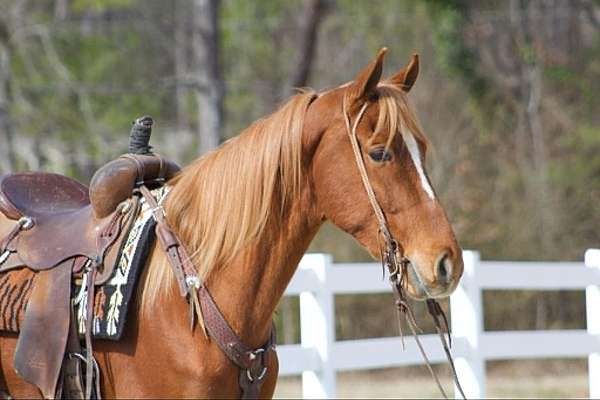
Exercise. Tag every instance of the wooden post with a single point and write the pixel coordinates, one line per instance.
(592, 300)
(467, 323)
(317, 329)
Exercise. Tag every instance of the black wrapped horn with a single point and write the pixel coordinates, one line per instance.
(139, 137)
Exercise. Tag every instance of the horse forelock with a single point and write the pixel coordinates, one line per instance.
(396, 114)
(222, 201)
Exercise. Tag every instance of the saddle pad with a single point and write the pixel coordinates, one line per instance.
(112, 299)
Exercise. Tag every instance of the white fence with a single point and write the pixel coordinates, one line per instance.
(319, 355)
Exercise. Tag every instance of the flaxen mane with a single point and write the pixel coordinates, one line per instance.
(221, 202)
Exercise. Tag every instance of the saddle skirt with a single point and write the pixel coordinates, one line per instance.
(112, 297)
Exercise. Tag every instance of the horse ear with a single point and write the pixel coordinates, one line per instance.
(366, 81)
(406, 77)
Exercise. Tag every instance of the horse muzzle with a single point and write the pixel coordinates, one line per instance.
(437, 282)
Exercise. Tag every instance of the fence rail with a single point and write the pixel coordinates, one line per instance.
(319, 356)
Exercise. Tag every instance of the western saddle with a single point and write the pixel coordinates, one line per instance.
(62, 230)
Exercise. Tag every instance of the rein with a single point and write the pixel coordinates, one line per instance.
(397, 264)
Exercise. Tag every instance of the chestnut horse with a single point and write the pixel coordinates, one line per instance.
(247, 212)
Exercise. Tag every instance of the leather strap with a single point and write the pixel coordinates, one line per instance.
(23, 223)
(9, 238)
(89, 315)
(241, 354)
(179, 260)
(72, 376)
(394, 260)
(252, 362)
(48, 306)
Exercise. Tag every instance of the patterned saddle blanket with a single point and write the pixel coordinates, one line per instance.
(112, 299)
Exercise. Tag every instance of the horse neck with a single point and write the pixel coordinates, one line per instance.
(248, 290)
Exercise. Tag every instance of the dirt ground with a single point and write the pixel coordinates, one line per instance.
(526, 379)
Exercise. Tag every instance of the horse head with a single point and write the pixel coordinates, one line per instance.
(391, 147)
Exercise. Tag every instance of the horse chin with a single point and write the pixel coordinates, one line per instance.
(415, 289)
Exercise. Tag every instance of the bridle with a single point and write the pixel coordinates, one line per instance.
(392, 258)
(252, 362)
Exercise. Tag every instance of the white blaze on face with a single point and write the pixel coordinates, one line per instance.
(413, 149)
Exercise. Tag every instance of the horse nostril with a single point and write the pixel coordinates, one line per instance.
(444, 268)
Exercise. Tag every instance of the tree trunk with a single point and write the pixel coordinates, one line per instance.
(314, 10)
(7, 154)
(181, 14)
(61, 10)
(210, 89)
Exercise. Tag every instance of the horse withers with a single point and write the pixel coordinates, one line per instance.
(246, 214)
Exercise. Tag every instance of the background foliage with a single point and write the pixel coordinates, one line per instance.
(508, 95)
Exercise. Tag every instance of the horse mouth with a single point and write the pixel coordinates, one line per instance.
(419, 290)
(415, 288)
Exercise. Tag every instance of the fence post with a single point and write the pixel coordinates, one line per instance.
(592, 300)
(467, 323)
(317, 329)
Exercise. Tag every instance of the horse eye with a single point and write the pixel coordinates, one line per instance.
(380, 154)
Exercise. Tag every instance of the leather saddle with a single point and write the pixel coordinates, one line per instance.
(56, 221)
(64, 219)
(61, 228)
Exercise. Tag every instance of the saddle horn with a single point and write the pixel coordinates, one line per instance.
(139, 136)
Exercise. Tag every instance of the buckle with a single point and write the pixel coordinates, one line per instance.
(125, 206)
(260, 376)
(25, 223)
(76, 356)
(192, 281)
(253, 354)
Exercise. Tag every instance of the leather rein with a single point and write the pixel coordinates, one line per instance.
(252, 362)
(397, 264)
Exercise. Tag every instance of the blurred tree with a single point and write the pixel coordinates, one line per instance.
(181, 22)
(314, 11)
(7, 154)
(206, 45)
(507, 95)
